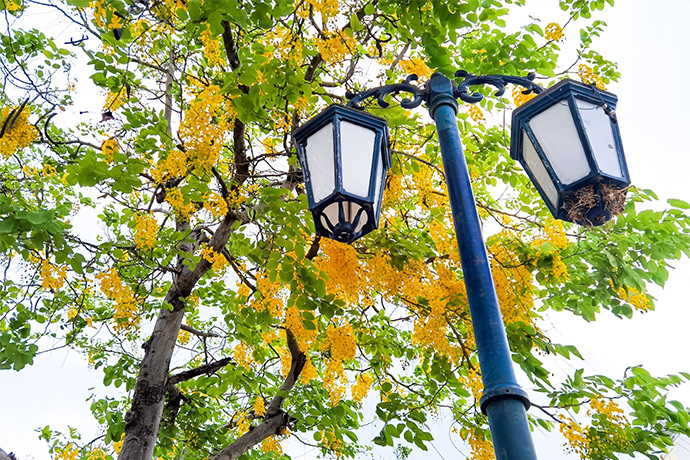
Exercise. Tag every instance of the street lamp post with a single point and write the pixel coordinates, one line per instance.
(601, 164)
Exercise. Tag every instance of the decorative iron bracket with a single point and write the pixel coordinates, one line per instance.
(461, 90)
(406, 86)
(498, 81)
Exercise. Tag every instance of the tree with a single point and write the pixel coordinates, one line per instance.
(201, 289)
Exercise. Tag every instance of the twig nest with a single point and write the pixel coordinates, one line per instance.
(595, 204)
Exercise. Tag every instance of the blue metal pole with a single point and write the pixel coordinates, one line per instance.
(503, 401)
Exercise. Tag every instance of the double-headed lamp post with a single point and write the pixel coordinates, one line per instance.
(567, 140)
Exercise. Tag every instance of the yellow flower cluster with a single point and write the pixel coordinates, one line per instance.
(191, 438)
(615, 425)
(328, 9)
(513, 281)
(243, 356)
(72, 313)
(12, 5)
(238, 196)
(52, 276)
(117, 446)
(269, 144)
(259, 406)
(167, 9)
(114, 101)
(173, 165)
(183, 207)
(438, 282)
(212, 50)
(637, 299)
(575, 435)
(309, 372)
(335, 47)
(519, 98)
(474, 381)
(293, 322)
(125, 303)
(553, 31)
(285, 360)
(340, 341)
(559, 271)
(361, 387)
(97, 454)
(431, 330)
(554, 233)
(480, 446)
(272, 444)
(475, 113)
(331, 441)
(205, 127)
(428, 187)
(301, 106)
(109, 148)
(589, 76)
(19, 133)
(416, 66)
(69, 452)
(218, 260)
(242, 423)
(341, 266)
(215, 204)
(101, 13)
(145, 231)
(609, 409)
(270, 298)
(183, 337)
(283, 45)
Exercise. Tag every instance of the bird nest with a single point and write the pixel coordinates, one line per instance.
(595, 204)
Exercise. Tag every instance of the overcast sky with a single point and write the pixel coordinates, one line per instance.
(649, 39)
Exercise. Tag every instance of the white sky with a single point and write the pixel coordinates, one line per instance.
(649, 39)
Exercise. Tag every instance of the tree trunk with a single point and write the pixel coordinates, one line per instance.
(143, 419)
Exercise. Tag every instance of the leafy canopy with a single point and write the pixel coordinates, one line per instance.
(166, 236)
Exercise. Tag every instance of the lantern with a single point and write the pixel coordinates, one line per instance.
(568, 140)
(345, 156)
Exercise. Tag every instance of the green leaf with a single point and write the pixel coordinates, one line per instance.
(678, 203)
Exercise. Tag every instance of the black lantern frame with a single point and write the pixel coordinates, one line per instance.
(342, 215)
(597, 196)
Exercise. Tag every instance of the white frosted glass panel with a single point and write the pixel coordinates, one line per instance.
(377, 192)
(357, 150)
(600, 134)
(320, 162)
(555, 131)
(350, 210)
(535, 165)
(331, 212)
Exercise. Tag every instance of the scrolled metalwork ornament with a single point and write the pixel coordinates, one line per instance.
(381, 92)
(498, 81)
(462, 89)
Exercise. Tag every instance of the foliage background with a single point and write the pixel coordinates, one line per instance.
(638, 148)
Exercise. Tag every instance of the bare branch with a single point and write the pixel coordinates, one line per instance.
(205, 369)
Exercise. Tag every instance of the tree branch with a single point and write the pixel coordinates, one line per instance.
(275, 418)
(191, 330)
(205, 369)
